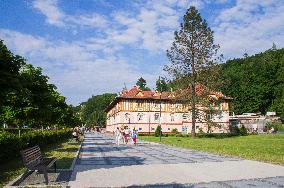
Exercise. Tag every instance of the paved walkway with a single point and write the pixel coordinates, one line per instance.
(101, 163)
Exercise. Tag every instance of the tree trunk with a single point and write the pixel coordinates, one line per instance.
(193, 99)
(193, 110)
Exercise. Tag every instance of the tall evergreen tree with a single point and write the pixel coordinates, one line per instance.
(141, 83)
(193, 57)
(162, 85)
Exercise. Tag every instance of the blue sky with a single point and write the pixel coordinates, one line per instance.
(88, 47)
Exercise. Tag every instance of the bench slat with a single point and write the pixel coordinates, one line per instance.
(33, 160)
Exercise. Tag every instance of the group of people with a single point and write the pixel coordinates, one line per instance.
(76, 133)
(124, 134)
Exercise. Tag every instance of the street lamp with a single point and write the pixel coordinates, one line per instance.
(160, 123)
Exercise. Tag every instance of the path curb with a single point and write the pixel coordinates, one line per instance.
(76, 158)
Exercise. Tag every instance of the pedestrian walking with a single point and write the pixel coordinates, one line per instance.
(134, 136)
(127, 133)
(116, 134)
(120, 137)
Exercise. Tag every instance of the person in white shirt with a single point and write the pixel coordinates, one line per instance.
(127, 133)
(116, 134)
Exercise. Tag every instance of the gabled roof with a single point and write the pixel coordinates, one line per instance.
(136, 93)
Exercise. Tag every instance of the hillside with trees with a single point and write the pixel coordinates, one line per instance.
(256, 82)
(91, 112)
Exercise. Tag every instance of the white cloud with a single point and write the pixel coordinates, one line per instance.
(49, 9)
(75, 67)
(55, 16)
(99, 63)
(250, 27)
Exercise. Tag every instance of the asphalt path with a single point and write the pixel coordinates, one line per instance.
(101, 163)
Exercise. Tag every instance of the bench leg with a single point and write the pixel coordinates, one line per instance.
(55, 166)
(45, 176)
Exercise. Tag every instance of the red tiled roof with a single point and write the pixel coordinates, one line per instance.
(136, 93)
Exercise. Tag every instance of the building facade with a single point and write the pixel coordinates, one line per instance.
(141, 110)
(254, 122)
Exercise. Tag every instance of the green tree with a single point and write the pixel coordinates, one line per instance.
(163, 85)
(92, 112)
(194, 58)
(26, 97)
(141, 83)
(256, 82)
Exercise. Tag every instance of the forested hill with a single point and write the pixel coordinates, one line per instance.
(92, 112)
(256, 82)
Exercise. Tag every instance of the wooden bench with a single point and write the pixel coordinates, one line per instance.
(33, 160)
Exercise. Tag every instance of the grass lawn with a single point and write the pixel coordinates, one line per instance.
(266, 148)
(64, 152)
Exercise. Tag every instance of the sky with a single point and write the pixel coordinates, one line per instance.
(90, 47)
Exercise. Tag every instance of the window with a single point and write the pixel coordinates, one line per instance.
(152, 128)
(140, 103)
(185, 116)
(139, 116)
(172, 117)
(140, 128)
(209, 116)
(156, 116)
(169, 129)
(127, 116)
(156, 105)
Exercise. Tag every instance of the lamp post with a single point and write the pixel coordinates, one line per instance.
(160, 122)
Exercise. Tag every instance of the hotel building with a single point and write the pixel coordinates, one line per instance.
(141, 110)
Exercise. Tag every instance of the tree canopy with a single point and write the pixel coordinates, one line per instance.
(193, 57)
(26, 97)
(256, 82)
(92, 111)
(141, 83)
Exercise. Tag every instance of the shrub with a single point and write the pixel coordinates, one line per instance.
(174, 131)
(16, 131)
(243, 131)
(12, 144)
(157, 131)
(179, 135)
(215, 135)
(234, 130)
(276, 125)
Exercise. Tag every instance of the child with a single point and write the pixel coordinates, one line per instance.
(126, 134)
(134, 136)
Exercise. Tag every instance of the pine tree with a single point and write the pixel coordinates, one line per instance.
(194, 58)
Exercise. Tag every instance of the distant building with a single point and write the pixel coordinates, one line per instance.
(141, 110)
(253, 121)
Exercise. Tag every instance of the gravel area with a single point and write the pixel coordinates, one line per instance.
(61, 178)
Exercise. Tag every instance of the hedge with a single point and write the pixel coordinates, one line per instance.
(16, 130)
(12, 144)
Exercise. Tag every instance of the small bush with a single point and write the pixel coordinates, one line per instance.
(243, 131)
(157, 131)
(276, 125)
(174, 131)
